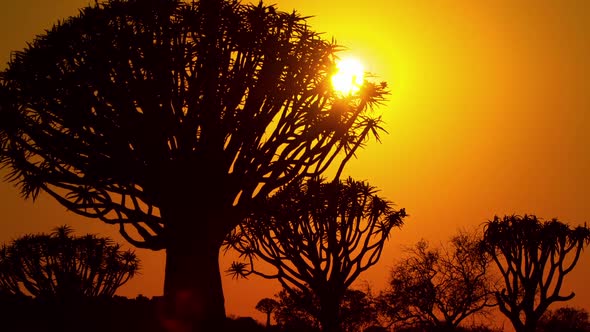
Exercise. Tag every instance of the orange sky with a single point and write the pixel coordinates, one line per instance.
(488, 115)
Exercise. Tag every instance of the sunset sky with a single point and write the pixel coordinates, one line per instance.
(488, 114)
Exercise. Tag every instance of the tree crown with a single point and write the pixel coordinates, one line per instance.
(133, 105)
(316, 233)
(533, 257)
(61, 265)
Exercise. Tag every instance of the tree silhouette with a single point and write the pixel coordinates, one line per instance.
(318, 237)
(170, 119)
(475, 328)
(297, 311)
(65, 267)
(300, 310)
(533, 258)
(267, 306)
(438, 288)
(357, 311)
(566, 319)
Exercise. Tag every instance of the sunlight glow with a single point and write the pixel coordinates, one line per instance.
(349, 77)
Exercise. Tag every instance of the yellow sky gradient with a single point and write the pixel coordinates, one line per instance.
(488, 114)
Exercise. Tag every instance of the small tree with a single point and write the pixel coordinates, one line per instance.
(63, 266)
(319, 237)
(533, 258)
(267, 306)
(438, 288)
(171, 119)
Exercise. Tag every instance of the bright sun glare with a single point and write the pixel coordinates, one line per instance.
(349, 77)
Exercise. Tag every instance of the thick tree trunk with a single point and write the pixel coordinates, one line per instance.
(193, 291)
(530, 326)
(330, 313)
(192, 288)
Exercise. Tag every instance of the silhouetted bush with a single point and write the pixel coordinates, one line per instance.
(117, 314)
(62, 266)
(300, 311)
(25, 314)
(564, 319)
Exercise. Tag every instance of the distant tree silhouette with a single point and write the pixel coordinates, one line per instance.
(375, 328)
(438, 288)
(565, 319)
(88, 314)
(65, 267)
(357, 311)
(533, 258)
(319, 237)
(267, 306)
(171, 118)
(298, 310)
(476, 328)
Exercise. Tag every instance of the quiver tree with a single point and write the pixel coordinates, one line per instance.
(318, 237)
(267, 306)
(64, 267)
(533, 257)
(170, 119)
(438, 288)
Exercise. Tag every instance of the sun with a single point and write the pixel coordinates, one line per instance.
(349, 76)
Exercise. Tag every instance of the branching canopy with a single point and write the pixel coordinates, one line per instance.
(63, 266)
(439, 287)
(316, 234)
(533, 258)
(134, 104)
